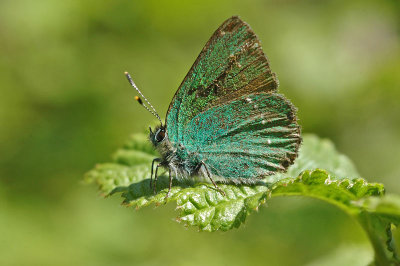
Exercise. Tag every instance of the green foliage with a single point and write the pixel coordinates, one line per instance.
(65, 105)
(379, 216)
(200, 204)
(319, 153)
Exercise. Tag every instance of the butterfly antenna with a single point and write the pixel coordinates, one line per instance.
(139, 100)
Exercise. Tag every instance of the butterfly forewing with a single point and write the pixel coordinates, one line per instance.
(231, 64)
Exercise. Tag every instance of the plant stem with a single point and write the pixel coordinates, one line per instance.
(375, 229)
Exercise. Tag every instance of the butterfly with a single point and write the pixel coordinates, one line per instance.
(226, 122)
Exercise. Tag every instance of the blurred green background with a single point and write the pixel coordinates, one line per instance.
(65, 106)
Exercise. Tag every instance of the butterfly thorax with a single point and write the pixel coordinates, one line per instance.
(174, 156)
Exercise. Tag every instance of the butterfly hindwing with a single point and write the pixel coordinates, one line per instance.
(250, 137)
(231, 64)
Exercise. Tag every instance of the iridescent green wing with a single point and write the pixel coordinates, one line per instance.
(253, 136)
(230, 65)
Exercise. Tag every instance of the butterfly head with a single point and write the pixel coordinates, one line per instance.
(158, 135)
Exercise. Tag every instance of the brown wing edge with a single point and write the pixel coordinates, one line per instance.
(291, 157)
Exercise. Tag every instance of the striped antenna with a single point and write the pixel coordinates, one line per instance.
(139, 100)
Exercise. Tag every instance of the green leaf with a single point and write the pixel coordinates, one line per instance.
(321, 185)
(200, 204)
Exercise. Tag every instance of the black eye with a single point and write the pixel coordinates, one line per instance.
(160, 135)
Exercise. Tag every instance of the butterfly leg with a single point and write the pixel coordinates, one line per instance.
(152, 168)
(212, 180)
(155, 179)
(170, 184)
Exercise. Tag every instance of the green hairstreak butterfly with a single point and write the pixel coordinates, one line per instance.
(226, 121)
